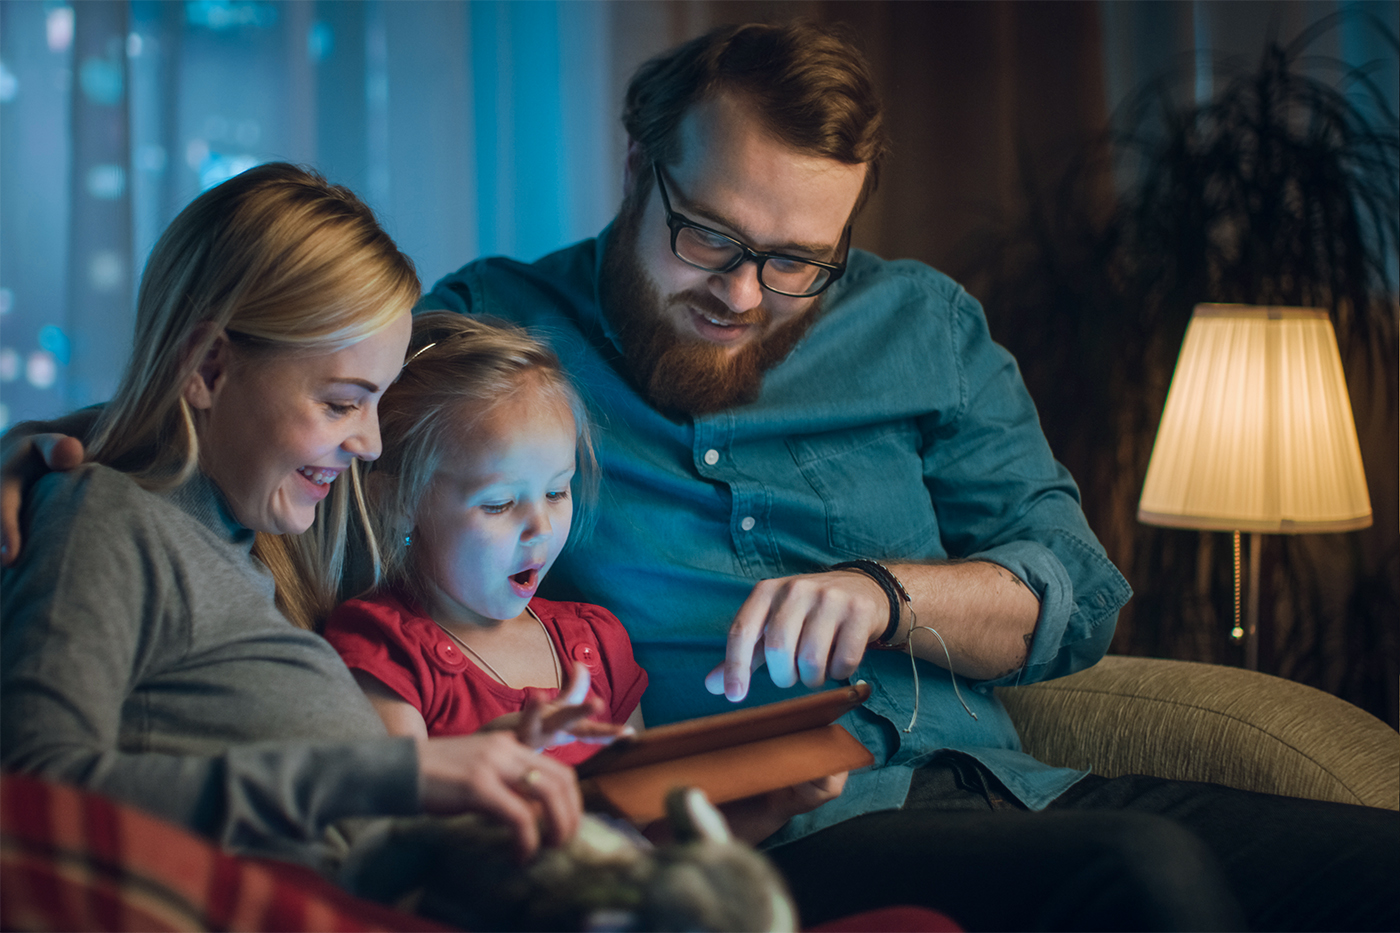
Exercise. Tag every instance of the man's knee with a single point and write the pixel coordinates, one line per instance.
(1139, 871)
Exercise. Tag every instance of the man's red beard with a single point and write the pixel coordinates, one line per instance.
(674, 371)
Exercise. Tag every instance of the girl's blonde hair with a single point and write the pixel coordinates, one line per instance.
(459, 369)
(278, 260)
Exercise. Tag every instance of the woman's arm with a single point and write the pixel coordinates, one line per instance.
(92, 614)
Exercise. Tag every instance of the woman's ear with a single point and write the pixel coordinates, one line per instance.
(203, 385)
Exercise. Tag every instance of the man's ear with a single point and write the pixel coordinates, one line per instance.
(204, 384)
(633, 166)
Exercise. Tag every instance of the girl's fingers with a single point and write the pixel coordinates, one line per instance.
(576, 689)
(533, 726)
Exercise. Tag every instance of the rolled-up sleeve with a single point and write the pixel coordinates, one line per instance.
(1001, 497)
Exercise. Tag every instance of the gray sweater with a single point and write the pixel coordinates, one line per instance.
(142, 656)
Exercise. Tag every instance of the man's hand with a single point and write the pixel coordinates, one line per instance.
(492, 773)
(754, 819)
(814, 627)
(788, 802)
(817, 626)
(27, 459)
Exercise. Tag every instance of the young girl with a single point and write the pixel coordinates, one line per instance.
(483, 434)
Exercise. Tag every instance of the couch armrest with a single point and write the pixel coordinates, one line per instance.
(1205, 722)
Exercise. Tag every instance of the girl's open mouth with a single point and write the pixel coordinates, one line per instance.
(525, 582)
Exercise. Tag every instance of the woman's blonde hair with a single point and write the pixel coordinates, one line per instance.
(276, 259)
(459, 370)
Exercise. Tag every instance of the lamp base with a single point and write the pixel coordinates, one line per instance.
(1251, 624)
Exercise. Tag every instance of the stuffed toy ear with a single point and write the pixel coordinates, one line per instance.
(693, 818)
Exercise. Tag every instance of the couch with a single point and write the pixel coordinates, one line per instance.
(1205, 722)
(71, 860)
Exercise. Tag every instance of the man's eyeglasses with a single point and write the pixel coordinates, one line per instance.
(703, 248)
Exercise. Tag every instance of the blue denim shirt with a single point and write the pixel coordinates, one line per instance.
(896, 429)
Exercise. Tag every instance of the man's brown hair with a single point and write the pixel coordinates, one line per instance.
(809, 83)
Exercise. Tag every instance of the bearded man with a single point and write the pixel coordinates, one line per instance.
(773, 402)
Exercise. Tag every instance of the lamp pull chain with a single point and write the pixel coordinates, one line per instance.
(1237, 632)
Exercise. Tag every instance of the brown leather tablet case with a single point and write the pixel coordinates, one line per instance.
(728, 756)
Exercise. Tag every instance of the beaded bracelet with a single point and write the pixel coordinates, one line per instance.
(894, 591)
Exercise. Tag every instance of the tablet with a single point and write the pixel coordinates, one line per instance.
(724, 730)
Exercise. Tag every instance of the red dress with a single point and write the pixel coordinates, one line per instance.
(389, 637)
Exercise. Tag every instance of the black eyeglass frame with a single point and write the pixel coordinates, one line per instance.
(678, 222)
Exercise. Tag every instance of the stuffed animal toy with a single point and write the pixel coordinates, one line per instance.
(461, 871)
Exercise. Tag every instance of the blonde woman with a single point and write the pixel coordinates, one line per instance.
(142, 651)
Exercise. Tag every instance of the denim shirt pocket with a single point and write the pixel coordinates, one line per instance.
(871, 485)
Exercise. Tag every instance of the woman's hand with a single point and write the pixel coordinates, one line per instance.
(567, 718)
(492, 773)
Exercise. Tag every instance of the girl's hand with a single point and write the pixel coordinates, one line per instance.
(492, 773)
(566, 719)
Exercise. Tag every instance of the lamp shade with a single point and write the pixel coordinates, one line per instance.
(1257, 433)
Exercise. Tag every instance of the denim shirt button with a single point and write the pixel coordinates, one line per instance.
(711, 457)
(747, 523)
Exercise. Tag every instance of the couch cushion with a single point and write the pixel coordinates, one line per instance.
(1205, 722)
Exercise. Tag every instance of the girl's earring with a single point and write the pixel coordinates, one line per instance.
(407, 540)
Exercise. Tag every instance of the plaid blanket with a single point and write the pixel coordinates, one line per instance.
(71, 860)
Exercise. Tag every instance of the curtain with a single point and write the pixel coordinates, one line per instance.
(471, 129)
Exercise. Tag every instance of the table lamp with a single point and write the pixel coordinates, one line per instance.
(1258, 436)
